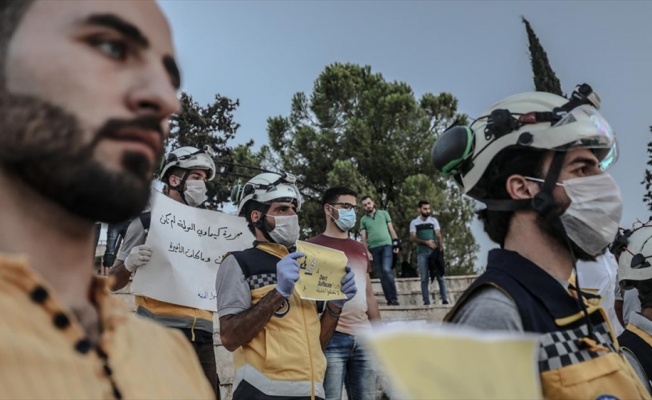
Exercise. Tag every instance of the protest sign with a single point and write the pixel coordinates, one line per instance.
(321, 272)
(454, 363)
(188, 245)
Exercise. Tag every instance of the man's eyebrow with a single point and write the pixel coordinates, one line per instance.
(584, 160)
(172, 70)
(116, 23)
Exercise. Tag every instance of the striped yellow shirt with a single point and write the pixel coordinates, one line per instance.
(44, 353)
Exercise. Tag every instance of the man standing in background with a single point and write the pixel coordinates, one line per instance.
(380, 239)
(426, 233)
(348, 363)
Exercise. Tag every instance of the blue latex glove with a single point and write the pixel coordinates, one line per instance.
(348, 288)
(287, 273)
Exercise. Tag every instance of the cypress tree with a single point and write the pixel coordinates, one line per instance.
(545, 79)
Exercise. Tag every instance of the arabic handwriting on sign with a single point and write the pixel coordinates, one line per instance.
(190, 253)
(176, 248)
(165, 219)
(231, 237)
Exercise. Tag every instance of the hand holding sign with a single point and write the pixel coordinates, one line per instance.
(287, 273)
(348, 288)
(138, 256)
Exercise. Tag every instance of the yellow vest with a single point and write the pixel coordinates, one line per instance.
(285, 358)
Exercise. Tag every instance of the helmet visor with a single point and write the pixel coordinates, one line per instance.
(585, 128)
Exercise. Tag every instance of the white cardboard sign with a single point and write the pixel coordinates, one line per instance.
(188, 246)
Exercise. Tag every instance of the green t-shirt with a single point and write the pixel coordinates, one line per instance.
(376, 228)
(424, 230)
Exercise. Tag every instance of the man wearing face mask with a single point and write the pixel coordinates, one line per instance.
(348, 363)
(426, 233)
(276, 336)
(185, 172)
(537, 161)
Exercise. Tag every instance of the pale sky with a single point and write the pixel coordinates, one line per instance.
(262, 52)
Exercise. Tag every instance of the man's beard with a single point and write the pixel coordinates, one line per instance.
(43, 146)
(426, 215)
(548, 230)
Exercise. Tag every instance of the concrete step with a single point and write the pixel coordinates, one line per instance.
(415, 298)
(413, 313)
(414, 284)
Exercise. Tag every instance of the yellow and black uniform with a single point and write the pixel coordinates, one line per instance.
(571, 365)
(44, 353)
(285, 359)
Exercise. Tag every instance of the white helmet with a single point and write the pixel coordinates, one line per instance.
(633, 264)
(189, 157)
(266, 188)
(537, 120)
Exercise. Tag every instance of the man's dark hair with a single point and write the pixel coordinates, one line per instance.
(365, 197)
(176, 171)
(253, 205)
(508, 162)
(331, 194)
(11, 13)
(423, 203)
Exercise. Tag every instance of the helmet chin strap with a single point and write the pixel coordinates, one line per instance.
(260, 224)
(180, 187)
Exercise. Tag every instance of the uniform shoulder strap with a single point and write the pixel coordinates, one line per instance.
(146, 219)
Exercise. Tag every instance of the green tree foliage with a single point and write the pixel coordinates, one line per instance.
(359, 130)
(545, 79)
(647, 180)
(213, 125)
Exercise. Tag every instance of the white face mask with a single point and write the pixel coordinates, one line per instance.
(195, 192)
(286, 229)
(592, 219)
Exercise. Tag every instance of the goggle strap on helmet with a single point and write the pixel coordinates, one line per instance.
(180, 186)
(508, 205)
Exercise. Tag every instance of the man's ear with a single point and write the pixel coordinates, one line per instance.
(520, 188)
(255, 216)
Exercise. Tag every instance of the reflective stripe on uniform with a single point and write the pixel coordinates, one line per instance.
(276, 388)
(177, 322)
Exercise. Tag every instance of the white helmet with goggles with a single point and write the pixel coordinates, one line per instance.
(633, 262)
(189, 158)
(534, 120)
(267, 188)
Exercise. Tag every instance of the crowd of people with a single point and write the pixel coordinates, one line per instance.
(86, 90)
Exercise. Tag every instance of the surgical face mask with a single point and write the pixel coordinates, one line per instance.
(195, 192)
(592, 219)
(286, 229)
(346, 219)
